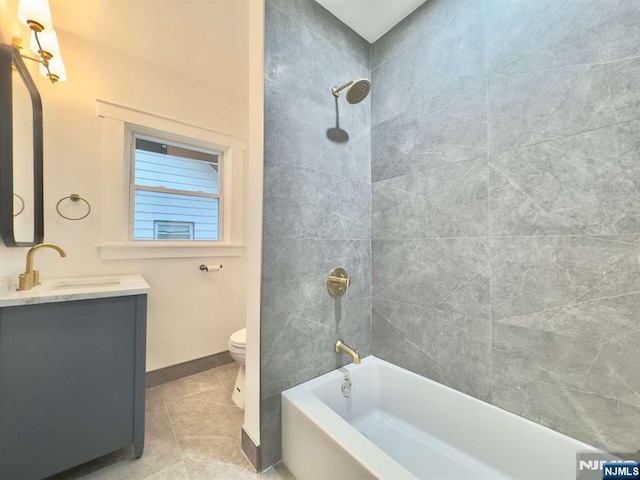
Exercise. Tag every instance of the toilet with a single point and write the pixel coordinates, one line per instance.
(237, 349)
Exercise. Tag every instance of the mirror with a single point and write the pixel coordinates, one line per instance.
(21, 199)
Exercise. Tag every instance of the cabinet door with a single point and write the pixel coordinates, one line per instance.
(66, 384)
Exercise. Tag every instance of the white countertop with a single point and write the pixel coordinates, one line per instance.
(77, 288)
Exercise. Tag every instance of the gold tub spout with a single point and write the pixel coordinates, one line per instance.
(30, 278)
(341, 347)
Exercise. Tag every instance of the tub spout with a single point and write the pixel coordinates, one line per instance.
(341, 347)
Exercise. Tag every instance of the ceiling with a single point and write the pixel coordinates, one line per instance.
(371, 18)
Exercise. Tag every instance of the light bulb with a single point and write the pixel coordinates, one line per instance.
(56, 66)
(36, 10)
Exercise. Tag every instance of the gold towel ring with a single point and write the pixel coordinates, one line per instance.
(74, 197)
(22, 207)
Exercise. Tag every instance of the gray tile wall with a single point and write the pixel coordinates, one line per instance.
(506, 207)
(317, 203)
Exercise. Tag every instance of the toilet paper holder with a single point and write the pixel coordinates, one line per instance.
(210, 268)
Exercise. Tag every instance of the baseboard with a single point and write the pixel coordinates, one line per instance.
(251, 450)
(175, 372)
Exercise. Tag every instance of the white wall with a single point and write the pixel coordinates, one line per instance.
(191, 314)
(253, 228)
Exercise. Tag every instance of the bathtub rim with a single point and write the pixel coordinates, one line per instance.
(330, 424)
(368, 455)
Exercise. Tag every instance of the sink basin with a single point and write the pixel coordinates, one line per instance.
(86, 282)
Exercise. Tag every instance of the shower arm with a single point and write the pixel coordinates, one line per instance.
(336, 90)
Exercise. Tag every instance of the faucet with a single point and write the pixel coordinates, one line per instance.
(31, 277)
(341, 347)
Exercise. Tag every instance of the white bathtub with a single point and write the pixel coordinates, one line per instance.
(398, 425)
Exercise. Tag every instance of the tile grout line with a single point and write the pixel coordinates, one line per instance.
(173, 431)
(427, 170)
(316, 171)
(499, 70)
(562, 137)
(371, 212)
(488, 160)
(500, 237)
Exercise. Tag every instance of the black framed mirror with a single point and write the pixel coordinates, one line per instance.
(21, 167)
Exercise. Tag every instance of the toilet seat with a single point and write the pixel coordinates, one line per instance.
(239, 339)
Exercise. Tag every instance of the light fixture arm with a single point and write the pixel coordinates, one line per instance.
(46, 56)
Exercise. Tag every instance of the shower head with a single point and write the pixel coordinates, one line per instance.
(358, 90)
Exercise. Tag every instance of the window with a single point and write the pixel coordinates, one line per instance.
(225, 169)
(175, 191)
(173, 230)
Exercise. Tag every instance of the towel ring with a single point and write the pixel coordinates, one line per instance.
(74, 197)
(22, 207)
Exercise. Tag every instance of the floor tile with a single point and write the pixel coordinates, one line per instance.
(225, 449)
(192, 432)
(227, 375)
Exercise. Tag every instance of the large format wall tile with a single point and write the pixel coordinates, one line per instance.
(557, 103)
(548, 33)
(313, 332)
(426, 272)
(317, 204)
(444, 343)
(417, 74)
(425, 25)
(447, 128)
(504, 150)
(299, 136)
(560, 102)
(431, 303)
(449, 201)
(304, 64)
(303, 203)
(270, 430)
(614, 37)
(298, 269)
(623, 78)
(313, 16)
(597, 420)
(585, 183)
(534, 275)
(565, 314)
(511, 129)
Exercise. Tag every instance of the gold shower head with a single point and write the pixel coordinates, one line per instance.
(358, 90)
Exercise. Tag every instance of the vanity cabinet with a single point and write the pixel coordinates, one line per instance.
(71, 383)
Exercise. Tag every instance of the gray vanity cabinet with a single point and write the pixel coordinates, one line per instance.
(71, 383)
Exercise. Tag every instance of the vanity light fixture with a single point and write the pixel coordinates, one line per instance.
(36, 15)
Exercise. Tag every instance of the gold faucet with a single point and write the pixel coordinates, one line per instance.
(341, 347)
(31, 277)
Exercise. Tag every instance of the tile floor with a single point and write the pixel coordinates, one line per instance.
(192, 433)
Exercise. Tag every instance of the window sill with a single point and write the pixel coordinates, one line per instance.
(131, 250)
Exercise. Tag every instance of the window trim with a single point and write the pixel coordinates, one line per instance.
(134, 132)
(113, 243)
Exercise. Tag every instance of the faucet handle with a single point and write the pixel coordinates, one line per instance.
(23, 282)
(338, 282)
